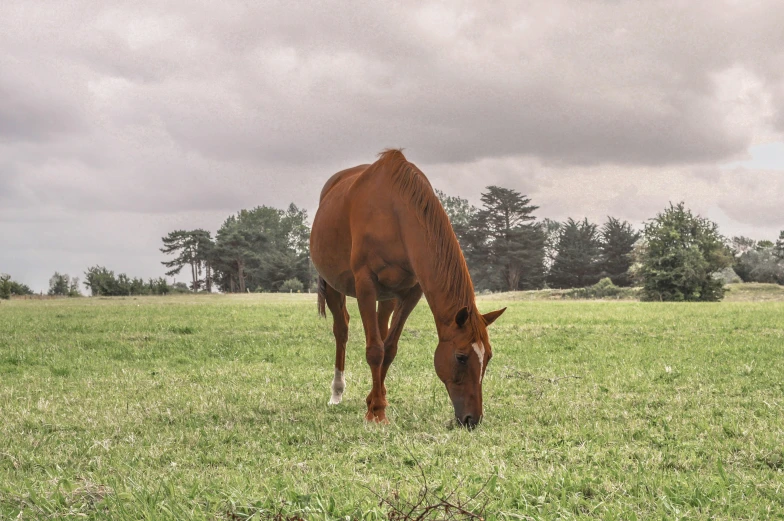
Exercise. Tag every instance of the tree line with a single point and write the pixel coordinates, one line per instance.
(9, 287)
(507, 249)
(100, 281)
(675, 256)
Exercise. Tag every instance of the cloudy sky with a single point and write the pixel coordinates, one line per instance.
(121, 121)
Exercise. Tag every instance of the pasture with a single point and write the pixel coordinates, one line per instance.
(215, 407)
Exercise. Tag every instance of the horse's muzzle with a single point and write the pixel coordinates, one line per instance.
(469, 422)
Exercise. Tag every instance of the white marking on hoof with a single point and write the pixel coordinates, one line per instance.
(479, 349)
(338, 385)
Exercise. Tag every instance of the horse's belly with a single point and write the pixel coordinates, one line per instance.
(395, 279)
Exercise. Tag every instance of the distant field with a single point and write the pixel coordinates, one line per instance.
(215, 407)
(748, 292)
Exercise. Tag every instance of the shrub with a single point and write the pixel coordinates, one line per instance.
(292, 286)
(602, 289)
(727, 276)
(682, 252)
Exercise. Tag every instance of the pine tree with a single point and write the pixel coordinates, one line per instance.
(617, 240)
(506, 248)
(460, 213)
(778, 249)
(184, 244)
(578, 256)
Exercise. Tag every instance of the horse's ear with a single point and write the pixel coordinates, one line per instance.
(462, 317)
(490, 317)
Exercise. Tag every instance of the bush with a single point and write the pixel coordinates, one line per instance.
(602, 289)
(760, 265)
(292, 286)
(727, 276)
(681, 254)
(9, 287)
(102, 282)
(179, 288)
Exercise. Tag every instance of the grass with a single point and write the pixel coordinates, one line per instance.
(215, 407)
(754, 292)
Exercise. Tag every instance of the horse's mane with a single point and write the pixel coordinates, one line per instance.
(454, 278)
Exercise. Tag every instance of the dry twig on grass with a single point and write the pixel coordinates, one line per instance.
(431, 504)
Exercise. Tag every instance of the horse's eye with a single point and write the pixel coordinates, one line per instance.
(462, 358)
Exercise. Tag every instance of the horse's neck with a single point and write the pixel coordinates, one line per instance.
(430, 274)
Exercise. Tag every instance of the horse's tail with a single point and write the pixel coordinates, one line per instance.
(322, 297)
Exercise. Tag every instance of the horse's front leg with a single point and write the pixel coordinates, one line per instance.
(385, 309)
(366, 292)
(403, 309)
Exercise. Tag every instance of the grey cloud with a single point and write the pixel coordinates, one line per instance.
(613, 83)
(753, 197)
(33, 114)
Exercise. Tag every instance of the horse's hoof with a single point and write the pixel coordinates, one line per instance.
(372, 418)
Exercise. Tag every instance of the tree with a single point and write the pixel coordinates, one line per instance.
(158, 286)
(59, 284)
(101, 282)
(617, 240)
(237, 245)
(740, 245)
(180, 287)
(505, 248)
(552, 232)
(5, 286)
(682, 253)
(205, 248)
(260, 249)
(62, 285)
(760, 265)
(778, 249)
(578, 256)
(193, 248)
(295, 223)
(759, 261)
(461, 214)
(9, 287)
(73, 288)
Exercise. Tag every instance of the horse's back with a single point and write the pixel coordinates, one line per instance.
(349, 174)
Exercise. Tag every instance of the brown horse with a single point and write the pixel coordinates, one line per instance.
(381, 235)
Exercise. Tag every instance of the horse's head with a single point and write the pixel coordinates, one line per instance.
(461, 359)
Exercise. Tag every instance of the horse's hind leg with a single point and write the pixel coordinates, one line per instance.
(336, 302)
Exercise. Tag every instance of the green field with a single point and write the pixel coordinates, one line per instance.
(215, 407)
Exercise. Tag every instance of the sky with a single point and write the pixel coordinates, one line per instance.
(122, 121)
